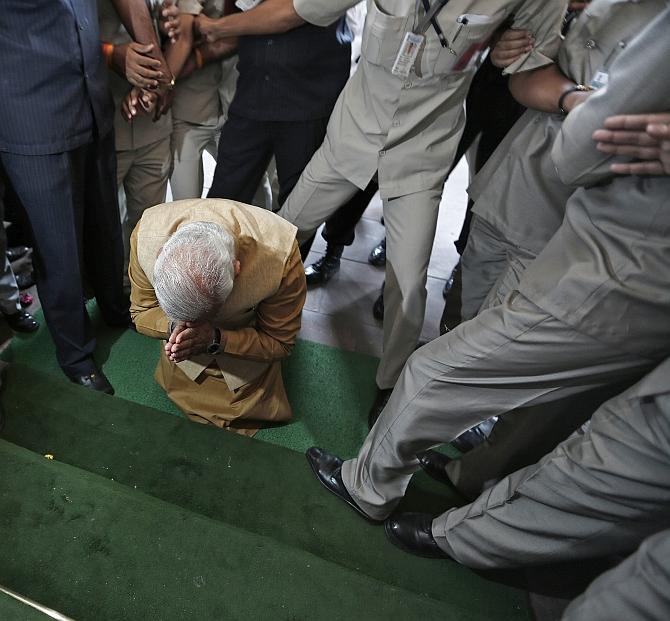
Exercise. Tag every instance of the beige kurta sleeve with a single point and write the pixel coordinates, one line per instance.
(322, 12)
(543, 20)
(277, 318)
(148, 317)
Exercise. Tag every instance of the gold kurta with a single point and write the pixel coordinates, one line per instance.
(242, 388)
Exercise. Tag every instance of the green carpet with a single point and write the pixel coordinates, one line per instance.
(143, 514)
(253, 485)
(330, 390)
(94, 549)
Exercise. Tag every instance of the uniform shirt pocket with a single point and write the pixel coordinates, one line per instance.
(383, 35)
(467, 36)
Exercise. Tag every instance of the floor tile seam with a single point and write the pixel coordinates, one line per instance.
(375, 324)
(146, 497)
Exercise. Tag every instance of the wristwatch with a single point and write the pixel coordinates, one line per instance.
(214, 348)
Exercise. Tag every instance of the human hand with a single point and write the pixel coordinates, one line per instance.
(140, 69)
(644, 137)
(207, 28)
(510, 46)
(189, 339)
(169, 23)
(137, 101)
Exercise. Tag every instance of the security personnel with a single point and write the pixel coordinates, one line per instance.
(597, 494)
(57, 149)
(405, 126)
(519, 199)
(200, 102)
(592, 308)
(520, 205)
(143, 155)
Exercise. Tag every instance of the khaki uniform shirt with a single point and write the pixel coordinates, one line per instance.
(196, 98)
(259, 321)
(606, 271)
(518, 190)
(407, 130)
(142, 130)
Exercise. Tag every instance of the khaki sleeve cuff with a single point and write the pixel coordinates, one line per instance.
(528, 62)
(322, 12)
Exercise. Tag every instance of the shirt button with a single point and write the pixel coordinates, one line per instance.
(267, 78)
(396, 123)
(407, 85)
(622, 44)
(382, 153)
(270, 41)
(591, 44)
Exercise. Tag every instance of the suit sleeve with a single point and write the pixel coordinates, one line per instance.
(639, 83)
(277, 318)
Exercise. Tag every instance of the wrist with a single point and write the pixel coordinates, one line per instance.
(108, 53)
(571, 97)
(215, 347)
(199, 60)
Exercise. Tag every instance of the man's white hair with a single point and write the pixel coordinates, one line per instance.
(194, 271)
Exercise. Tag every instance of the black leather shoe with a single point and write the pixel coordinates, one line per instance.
(321, 271)
(412, 532)
(434, 465)
(95, 381)
(378, 306)
(380, 403)
(21, 321)
(23, 281)
(377, 256)
(16, 252)
(327, 467)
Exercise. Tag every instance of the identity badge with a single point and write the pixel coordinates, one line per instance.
(600, 79)
(407, 54)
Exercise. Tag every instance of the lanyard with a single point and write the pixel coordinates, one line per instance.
(430, 18)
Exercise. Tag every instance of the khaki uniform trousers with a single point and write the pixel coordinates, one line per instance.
(596, 494)
(143, 175)
(410, 223)
(491, 267)
(638, 588)
(511, 356)
(189, 142)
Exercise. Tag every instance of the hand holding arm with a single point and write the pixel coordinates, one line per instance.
(169, 22)
(135, 17)
(269, 17)
(511, 45)
(136, 102)
(644, 137)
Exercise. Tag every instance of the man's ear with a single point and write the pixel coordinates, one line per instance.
(236, 267)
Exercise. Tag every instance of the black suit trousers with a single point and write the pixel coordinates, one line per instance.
(70, 199)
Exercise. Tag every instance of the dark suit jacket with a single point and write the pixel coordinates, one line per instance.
(53, 84)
